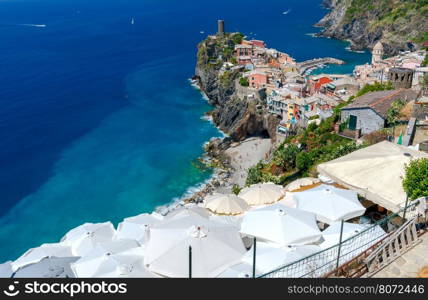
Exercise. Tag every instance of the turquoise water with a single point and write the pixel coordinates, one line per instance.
(98, 119)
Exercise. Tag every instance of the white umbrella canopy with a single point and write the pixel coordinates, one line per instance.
(215, 247)
(49, 267)
(228, 220)
(135, 228)
(226, 204)
(269, 257)
(350, 247)
(282, 225)
(262, 194)
(85, 237)
(115, 259)
(6, 270)
(35, 255)
(288, 200)
(301, 182)
(330, 204)
(241, 270)
(188, 211)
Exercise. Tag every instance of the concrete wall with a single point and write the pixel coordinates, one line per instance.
(367, 120)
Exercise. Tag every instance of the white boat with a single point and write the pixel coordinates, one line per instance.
(286, 12)
(132, 21)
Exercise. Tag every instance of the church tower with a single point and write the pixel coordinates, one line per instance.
(377, 53)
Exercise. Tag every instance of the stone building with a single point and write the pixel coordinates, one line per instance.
(368, 113)
(401, 78)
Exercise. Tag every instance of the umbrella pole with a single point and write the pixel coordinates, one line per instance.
(340, 244)
(190, 261)
(254, 257)
(405, 208)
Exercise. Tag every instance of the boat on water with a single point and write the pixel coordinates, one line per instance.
(286, 12)
(132, 21)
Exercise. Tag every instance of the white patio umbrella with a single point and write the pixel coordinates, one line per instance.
(301, 182)
(215, 247)
(282, 225)
(188, 211)
(241, 270)
(6, 270)
(262, 194)
(269, 257)
(115, 259)
(330, 204)
(85, 237)
(228, 220)
(288, 200)
(135, 228)
(35, 255)
(226, 204)
(49, 267)
(351, 247)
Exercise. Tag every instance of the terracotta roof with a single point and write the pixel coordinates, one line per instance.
(381, 101)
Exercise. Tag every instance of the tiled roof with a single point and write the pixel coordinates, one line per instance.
(381, 101)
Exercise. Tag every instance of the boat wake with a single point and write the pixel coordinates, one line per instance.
(33, 25)
(286, 12)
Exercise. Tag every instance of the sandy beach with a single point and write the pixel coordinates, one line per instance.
(246, 154)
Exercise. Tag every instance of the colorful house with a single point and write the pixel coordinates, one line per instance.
(257, 79)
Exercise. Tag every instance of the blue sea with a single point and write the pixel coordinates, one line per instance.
(98, 120)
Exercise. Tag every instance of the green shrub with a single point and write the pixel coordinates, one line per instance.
(243, 81)
(415, 182)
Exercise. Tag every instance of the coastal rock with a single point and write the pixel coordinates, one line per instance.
(363, 23)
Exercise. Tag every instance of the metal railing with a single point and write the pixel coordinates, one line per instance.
(328, 260)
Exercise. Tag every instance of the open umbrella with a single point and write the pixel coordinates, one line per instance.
(226, 204)
(48, 267)
(35, 255)
(215, 247)
(85, 237)
(330, 204)
(262, 194)
(135, 228)
(115, 259)
(241, 270)
(6, 270)
(188, 211)
(282, 225)
(351, 247)
(270, 257)
(299, 183)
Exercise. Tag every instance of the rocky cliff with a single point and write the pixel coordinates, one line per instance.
(399, 24)
(240, 117)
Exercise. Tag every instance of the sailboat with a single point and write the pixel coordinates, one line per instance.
(132, 21)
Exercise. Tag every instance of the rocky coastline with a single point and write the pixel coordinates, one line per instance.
(363, 24)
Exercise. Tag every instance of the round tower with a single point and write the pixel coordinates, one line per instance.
(401, 78)
(377, 53)
(220, 25)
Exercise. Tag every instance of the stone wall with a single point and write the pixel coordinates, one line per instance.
(367, 120)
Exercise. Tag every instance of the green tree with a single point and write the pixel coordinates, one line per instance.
(286, 156)
(255, 174)
(377, 86)
(415, 182)
(304, 160)
(393, 114)
(243, 81)
(236, 189)
(237, 38)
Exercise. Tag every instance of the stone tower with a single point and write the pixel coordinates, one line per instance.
(377, 53)
(220, 25)
(401, 78)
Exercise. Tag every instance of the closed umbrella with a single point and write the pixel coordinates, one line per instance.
(115, 259)
(35, 255)
(299, 183)
(282, 225)
(330, 204)
(48, 267)
(135, 228)
(215, 247)
(85, 237)
(262, 194)
(6, 270)
(226, 204)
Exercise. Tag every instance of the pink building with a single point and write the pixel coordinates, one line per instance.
(257, 79)
(258, 43)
